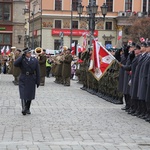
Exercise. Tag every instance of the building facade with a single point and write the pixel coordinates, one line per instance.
(12, 23)
(53, 23)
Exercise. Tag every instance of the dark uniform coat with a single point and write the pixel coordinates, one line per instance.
(136, 77)
(30, 76)
(143, 78)
(127, 76)
(42, 62)
(133, 69)
(121, 73)
(147, 98)
(66, 68)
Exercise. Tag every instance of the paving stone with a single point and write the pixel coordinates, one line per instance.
(67, 118)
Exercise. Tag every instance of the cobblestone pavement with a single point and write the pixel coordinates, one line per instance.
(67, 118)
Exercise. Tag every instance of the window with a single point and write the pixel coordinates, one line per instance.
(74, 5)
(108, 26)
(109, 3)
(5, 39)
(58, 4)
(74, 24)
(56, 44)
(58, 24)
(128, 5)
(144, 5)
(5, 11)
(91, 1)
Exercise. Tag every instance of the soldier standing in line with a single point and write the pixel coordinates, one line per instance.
(123, 60)
(133, 69)
(136, 80)
(127, 76)
(143, 83)
(42, 63)
(16, 70)
(147, 96)
(66, 67)
(11, 60)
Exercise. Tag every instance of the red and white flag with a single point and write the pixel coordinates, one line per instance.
(73, 51)
(101, 60)
(119, 35)
(84, 44)
(2, 50)
(7, 50)
(142, 39)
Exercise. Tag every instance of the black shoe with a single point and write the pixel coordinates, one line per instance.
(137, 113)
(128, 110)
(83, 88)
(66, 85)
(117, 102)
(28, 112)
(131, 111)
(125, 108)
(147, 119)
(24, 112)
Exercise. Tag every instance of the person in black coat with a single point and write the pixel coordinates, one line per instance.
(134, 101)
(127, 76)
(136, 82)
(29, 78)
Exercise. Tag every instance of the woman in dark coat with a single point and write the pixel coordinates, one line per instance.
(29, 78)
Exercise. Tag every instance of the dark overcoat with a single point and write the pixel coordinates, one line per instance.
(147, 98)
(143, 78)
(42, 63)
(127, 76)
(136, 77)
(66, 67)
(121, 73)
(133, 68)
(27, 83)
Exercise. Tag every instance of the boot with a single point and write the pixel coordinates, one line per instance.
(23, 103)
(28, 103)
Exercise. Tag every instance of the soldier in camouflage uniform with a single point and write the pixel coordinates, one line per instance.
(16, 70)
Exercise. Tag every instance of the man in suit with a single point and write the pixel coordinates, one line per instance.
(29, 78)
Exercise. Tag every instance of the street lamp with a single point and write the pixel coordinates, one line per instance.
(61, 34)
(33, 11)
(91, 11)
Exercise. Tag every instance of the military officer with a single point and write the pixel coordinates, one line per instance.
(29, 78)
(134, 64)
(135, 86)
(127, 76)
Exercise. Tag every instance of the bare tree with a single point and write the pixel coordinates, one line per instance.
(140, 28)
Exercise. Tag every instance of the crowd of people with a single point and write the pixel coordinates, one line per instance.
(126, 80)
(134, 79)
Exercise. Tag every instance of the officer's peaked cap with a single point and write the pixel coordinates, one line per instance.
(26, 50)
(138, 47)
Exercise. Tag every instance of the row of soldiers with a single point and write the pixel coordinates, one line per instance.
(134, 79)
(61, 67)
(106, 87)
